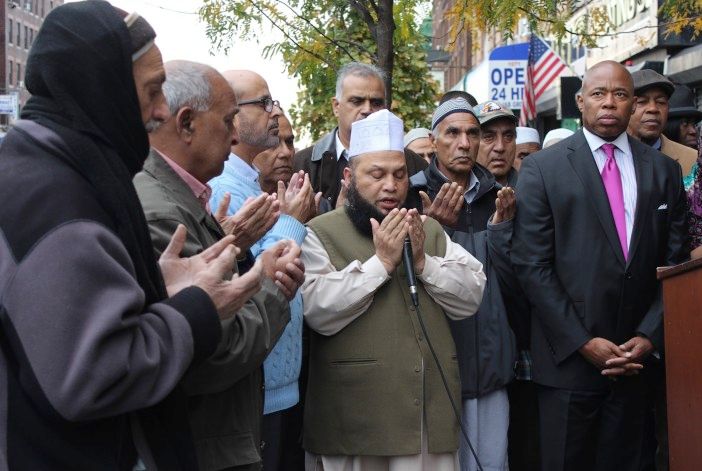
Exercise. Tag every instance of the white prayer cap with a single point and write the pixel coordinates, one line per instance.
(525, 135)
(416, 133)
(555, 135)
(380, 131)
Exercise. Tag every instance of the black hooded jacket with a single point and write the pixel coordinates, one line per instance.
(485, 344)
(91, 348)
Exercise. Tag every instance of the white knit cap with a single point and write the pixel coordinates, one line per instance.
(454, 105)
(555, 135)
(525, 135)
(416, 133)
(380, 131)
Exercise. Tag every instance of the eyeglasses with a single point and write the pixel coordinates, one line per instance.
(266, 102)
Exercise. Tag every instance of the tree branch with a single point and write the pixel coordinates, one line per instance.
(357, 45)
(606, 35)
(375, 7)
(363, 11)
(288, 37)
(332, 41)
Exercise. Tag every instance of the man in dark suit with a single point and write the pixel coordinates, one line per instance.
(596, 214)
(360, 91)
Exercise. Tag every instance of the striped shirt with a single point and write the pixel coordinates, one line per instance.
(625, 162)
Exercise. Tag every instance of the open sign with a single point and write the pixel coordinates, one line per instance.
(508, 74)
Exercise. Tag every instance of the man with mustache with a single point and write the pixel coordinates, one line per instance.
(375, 399)
(282, 422)
(189, 149)
(596, 214)
(96, 334)
(360, 91)
(498, 141)
(653, 91)
(258, 131)
(485, 343)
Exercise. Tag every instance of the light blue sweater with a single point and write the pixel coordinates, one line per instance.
(281, 369)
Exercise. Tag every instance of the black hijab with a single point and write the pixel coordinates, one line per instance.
(79, 73)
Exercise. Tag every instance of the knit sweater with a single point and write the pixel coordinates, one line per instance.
(282, 366)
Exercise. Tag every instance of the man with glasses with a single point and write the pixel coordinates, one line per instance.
(360, 91)
(258, 131)
(257, 128)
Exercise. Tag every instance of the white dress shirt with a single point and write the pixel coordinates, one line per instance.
(625, 162)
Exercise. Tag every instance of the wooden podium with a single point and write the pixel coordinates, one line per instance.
(682, 298)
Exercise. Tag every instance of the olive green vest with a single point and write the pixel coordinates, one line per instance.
(366, 390)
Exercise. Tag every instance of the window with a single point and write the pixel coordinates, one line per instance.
(9, 29)
(31, 37)
(19, 73)
(11, 74)
(43, 3)
(26, 37)
(19, 29)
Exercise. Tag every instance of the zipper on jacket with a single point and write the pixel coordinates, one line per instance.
(471, 231)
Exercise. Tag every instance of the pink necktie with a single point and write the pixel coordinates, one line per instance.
(612, 180)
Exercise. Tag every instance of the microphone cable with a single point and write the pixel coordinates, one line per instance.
(411, 281)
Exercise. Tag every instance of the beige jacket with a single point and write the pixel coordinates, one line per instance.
(685, 156)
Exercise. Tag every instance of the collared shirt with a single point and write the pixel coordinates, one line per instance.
(625, 162)
(339, 146)
(657, 145)
(202, 191)
(242, 170)
(473, 186)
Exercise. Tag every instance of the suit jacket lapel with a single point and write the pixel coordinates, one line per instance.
(583, 163)
(643, 166)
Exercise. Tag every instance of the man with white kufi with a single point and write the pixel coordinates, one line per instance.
(375, 400)
(528, 142)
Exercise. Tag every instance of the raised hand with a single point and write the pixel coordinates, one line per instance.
(251, 222)
(282, 264)
(417, 236)
(447, 204)
(389, 236)
(344, 190)
(298, 199)
(209, 270)
(505, 205)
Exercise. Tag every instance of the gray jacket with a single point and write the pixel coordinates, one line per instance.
(485, 343)
(226, 392)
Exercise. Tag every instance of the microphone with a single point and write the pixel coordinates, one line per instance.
(409, 268)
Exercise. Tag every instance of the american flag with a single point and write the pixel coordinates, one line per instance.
(543, 67)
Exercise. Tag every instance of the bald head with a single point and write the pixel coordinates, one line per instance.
(243, 81)
(257, 121)
(607, 99)
(595, 72)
